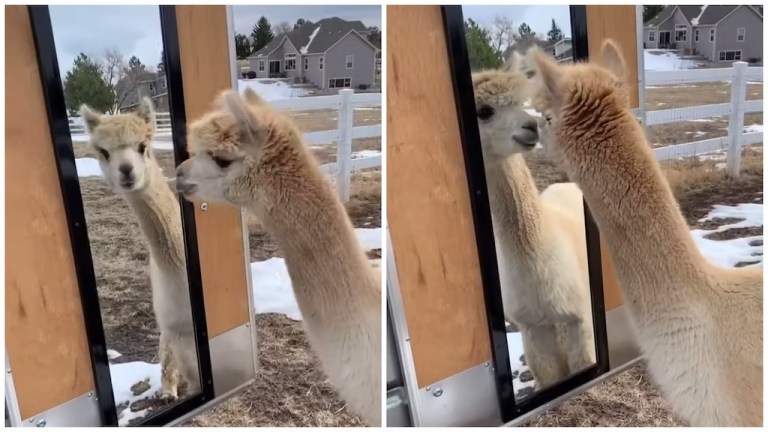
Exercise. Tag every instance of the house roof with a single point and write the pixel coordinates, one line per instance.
(314, 38)
(695, 14)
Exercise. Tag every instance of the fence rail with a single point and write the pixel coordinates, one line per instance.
(738, 75)
(345, 102)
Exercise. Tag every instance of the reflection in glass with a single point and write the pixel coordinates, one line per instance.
(538, 218)
(124, 156)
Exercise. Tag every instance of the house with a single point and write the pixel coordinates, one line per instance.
(719, 33)
(562, 49)
(132, 88)
(331, 53)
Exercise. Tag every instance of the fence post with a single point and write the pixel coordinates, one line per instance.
(736, 120)
(344, 145)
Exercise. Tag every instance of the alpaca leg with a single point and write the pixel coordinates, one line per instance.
(543, 356)
(169, 373)
(579, 344)
(188, 364)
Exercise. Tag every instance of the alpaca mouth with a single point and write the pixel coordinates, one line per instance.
(127, 184)
(185, 189)
(525, 144)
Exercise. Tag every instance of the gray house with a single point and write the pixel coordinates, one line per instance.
(331, 53)
(133, 88)
(719, 33)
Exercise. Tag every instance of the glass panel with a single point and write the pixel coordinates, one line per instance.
(124, 154)
(538, 216)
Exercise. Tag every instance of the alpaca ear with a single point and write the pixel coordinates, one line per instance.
(246, 123)
(612, 59)
(145, 111)
(549, 75)
(91, 117)
(252, 98)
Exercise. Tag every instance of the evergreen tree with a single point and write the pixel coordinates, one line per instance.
(554, 34)
(650, 11)
(134, 64)
(482, 55)
(161, 65)
(261, 34)
(242, 46)
(374, 36)
(84, 84)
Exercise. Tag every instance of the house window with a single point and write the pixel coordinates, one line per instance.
(740, 33)
(321, 64)
(306, 63)
(652, 36)
(711, 35)
(730, 55)
(151, 88)
(350, 61)
(339, 82)
(696, 35)
(261, 65)
(681, 33)
(290, 62)
(163, 83)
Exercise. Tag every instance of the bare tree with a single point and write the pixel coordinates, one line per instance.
(283, 27)
(502, 30)
(114, 65)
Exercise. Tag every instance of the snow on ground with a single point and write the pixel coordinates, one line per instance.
(112, 354)
(87, 167)
(753, 128)
(271, 89)
(272, 290)
(515, 347)
(365, 153)
(728, 253)
(127, 375)
(661, 60)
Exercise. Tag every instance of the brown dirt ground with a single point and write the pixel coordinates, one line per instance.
(630, 399)
(290, 389)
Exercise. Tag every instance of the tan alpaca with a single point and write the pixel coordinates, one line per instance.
(124, 145)
(700, 326)
(248, 155)
(541, 241)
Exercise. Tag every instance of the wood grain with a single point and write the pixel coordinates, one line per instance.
(44, 328)
(428, 208)
(206, 72)
(616, 22)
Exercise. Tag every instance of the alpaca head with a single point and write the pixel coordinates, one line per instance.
(578, 89)
(505, 127)
(123, 143)
(229, 148)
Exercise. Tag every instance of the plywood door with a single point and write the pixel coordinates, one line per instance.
(428, 207)
(617, 23)
(206, 71)
(44, 330)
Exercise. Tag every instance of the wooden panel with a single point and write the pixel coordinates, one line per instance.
(205, 70)
(44, 328)
(428, 206)
(616, 22)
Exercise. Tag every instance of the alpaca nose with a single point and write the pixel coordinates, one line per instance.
(529, 133)
(126, 169)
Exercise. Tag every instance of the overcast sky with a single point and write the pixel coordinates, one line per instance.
(539, 18)
(246, 16)
(135, 30)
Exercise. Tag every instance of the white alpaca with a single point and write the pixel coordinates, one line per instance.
(248, 155)
(541, 242)
(125, 156)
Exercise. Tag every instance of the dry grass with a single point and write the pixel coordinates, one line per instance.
(290, 389)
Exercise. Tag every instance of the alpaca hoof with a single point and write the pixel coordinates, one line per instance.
(169, 396)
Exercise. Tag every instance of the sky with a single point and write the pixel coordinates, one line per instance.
(246, 16)
(135, 30)
(539, 18)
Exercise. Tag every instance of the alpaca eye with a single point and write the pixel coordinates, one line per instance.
(142, 148)
(484, 112)
(103, 152)
(222, 163)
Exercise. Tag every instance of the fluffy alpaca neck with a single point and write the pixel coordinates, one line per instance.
(322, 254)
(159, 218)
(514, 202)
(633, 205)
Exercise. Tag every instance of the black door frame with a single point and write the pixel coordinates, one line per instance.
(462, 84)
(53, 91)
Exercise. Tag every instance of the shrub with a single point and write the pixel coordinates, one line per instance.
(362, 87)
(251, 74)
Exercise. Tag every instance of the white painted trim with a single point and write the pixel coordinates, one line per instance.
(652, 35)
(270, 53)
(670, 16)
(261, 66)
(338, 78)
(726, 55)
(696, 35)
(348, 33)
(346, 61)
(744, 39)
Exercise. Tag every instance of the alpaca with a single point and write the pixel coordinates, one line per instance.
(246, 154)
(541, 242)
(700, 327)
(123, 143)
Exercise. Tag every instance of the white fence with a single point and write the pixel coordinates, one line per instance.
(738, 75)
(345, 102)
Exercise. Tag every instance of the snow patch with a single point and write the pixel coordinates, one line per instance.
(695, 21)
(753, 128)
(112, 354)
(658, 60)
(271, 89)
(88, 167)
(303, 49)
(515, 347)
(125, 376)
(728, 253)
(365, 153)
